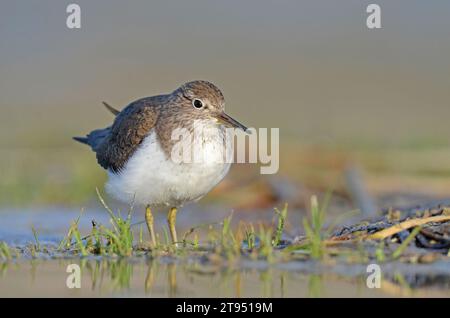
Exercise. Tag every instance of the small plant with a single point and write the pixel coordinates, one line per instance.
(280, 225)
(120, 238)
(37, 246)
(250, 236)
(227, 234)
(141, 235)
(66, 242)
(79, 242)
(266, 243)
(399, 251)
(5, 252)
(97, 246)
(34, 248)
(102, 240)
(313, 230)
(229, 242)
(379, 252)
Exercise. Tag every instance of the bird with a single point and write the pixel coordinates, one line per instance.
(137, 150)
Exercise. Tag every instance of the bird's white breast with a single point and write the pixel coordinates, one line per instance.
(150, 177)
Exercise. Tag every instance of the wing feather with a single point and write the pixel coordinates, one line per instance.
(115, 144)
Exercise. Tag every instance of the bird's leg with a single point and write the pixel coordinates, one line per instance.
(171, 220)
(149, 220)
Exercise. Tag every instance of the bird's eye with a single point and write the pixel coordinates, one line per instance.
(197, 103)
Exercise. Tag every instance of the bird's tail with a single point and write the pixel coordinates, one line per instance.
(83, 140)
(94, 138)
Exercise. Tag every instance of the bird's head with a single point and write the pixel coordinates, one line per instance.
(203, 99)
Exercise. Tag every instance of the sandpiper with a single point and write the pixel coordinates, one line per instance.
(136, 150)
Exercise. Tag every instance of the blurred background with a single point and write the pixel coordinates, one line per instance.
(342, 95)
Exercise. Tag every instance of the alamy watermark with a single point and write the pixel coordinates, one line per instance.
(208, 144)
(373, 20)
(74, 278)
(73, 20)
(374, 278)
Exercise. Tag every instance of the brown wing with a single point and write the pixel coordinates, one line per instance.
(114, 145)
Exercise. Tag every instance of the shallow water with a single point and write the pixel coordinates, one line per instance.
(166, 278)
(148, 278)
(193, 275)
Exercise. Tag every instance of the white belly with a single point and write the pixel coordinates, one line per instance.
(149, 177)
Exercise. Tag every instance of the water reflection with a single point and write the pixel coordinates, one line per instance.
(315, 286)
(152, 272)
(156, 278)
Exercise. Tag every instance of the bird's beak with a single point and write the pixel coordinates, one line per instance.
(229, 121)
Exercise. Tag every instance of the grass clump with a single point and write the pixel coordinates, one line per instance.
(231, 246)
(250, 236)
(102, 240)
(313, 229)
(5, 251)
(37, 246)
(266, 243)
(261, 243)
(282, 215)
